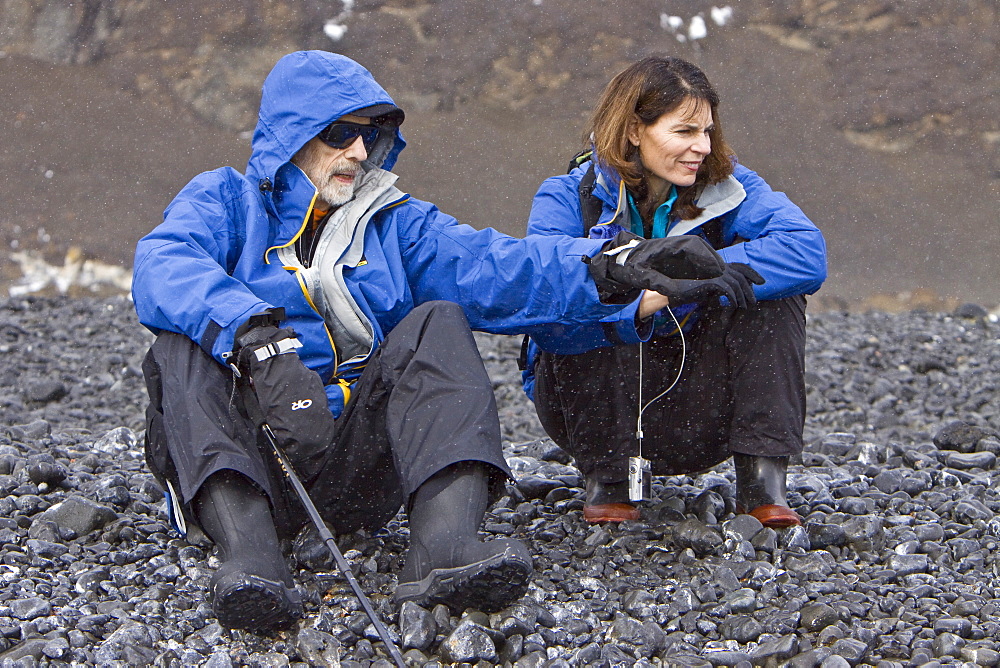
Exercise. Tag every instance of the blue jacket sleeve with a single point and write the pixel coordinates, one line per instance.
(180, 283)
(505, 285)
(783, 245)
(555, 212)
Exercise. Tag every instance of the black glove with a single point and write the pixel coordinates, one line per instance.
(290, 396)
(684, 268)
(734, 284)
(628, 264)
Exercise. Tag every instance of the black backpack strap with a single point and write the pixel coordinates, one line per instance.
(522, 359)
(590, 205)
(580, 158)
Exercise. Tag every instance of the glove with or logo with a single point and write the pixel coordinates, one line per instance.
(683, 268)
(290, 396)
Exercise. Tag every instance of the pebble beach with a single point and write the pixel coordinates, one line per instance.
(896, 564)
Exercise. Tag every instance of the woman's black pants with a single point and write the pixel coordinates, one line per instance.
(422, 403)
(742, 390)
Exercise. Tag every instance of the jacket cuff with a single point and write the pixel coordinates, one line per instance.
(627, 327)
(735, 253)
(218, 338)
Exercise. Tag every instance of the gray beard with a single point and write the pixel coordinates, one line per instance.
(330, 191)
(334, 193)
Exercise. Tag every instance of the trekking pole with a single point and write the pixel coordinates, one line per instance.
(331, 544)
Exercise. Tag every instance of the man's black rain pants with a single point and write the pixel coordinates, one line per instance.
(422, 403)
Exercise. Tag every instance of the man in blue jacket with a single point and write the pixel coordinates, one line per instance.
(345, 306)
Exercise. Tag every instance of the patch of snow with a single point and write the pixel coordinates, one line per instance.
(334, 30)
(722, 15)
(697, 28)
(38, 275)
(672, 23)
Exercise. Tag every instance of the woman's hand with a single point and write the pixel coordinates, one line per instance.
(650, 303)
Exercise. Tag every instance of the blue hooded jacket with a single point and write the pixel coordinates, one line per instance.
(213, 261)
(759, 227)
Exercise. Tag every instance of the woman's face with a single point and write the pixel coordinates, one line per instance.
(673, 146)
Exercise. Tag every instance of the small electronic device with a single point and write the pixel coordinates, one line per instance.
(640, 479)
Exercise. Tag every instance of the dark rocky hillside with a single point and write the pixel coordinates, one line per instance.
(879, 117)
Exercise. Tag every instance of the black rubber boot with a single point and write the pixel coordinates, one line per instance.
(252, 590)
(446, 562)
(761, 492)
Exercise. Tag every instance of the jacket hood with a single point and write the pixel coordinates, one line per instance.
(305, 92)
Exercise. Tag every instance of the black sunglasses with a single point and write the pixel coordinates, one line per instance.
(341, 134)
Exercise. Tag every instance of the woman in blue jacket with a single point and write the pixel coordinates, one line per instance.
(660, 167)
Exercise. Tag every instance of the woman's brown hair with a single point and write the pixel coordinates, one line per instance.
(643, 92)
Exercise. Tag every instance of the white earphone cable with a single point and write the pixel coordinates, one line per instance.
(680, 370)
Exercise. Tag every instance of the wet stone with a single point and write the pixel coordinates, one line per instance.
(709, 502)
(959, 436)
(795, 538)
(810, 658)
(928, 532)
(855, 505)
(30, 608)
(726, 579)
(766, 540)
(981, 656)
(636, 600)
(46, 390)
(741, 601)
(535, 659)
(817, 617)
(317, 648)
(648, 637)
(957, 626)
(815, 564)
(947, 644)
(131, 567)
(79, 514)
(851, 649)
(776, 649)
(970, 510)
(536, 487)
(908, 564)
(32, 649)
(31, 431)
(865, 533)
(43, 469)
(727, 657)
(46, 549)
(742, 526)
(220, 659)
(417, 626)
(970, 460)
(695, 535)
(826, 535)
(989, 444)
(117, 441)
(469, 642)
(741, 628)
(888, 481)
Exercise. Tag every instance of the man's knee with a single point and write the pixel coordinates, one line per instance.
(440, 309)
